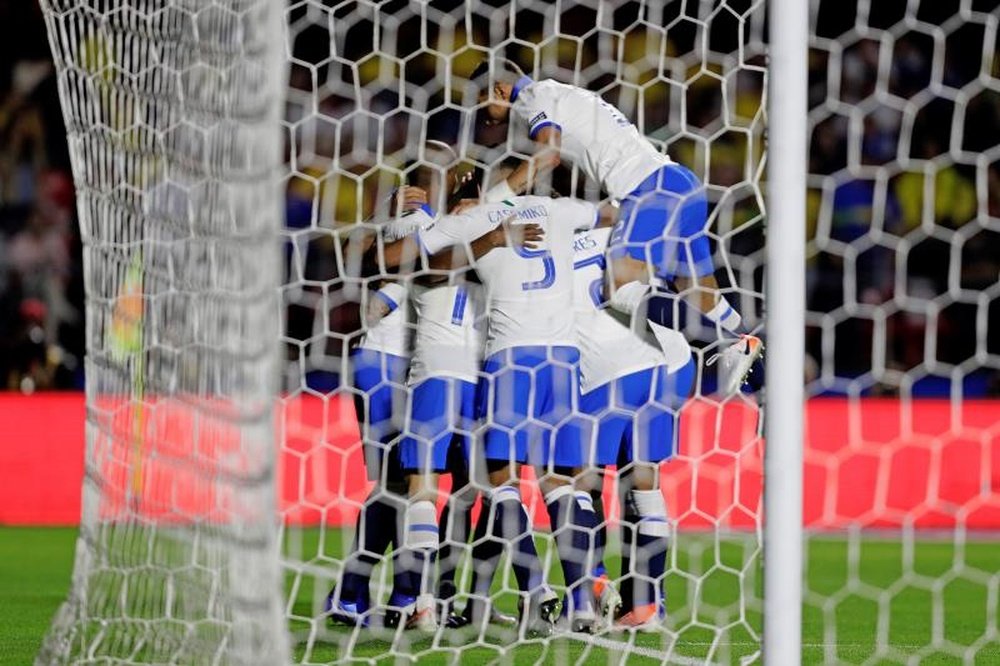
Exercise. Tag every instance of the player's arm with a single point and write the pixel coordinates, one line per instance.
(366, 255)
(506, 234)
(384, 301)
(607, 216)
(548, 139)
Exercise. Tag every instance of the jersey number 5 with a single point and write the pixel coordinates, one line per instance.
(549, 278)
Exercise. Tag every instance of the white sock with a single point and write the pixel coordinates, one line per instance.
(652, 512)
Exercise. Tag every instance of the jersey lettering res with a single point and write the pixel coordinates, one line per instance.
(525, 215)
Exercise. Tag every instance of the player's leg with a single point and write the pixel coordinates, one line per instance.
(660, 233)
(645, 525)
(434, 416)
(511, 377)
(376, 378)
(456, 522)
(606, 430)
(571, 512)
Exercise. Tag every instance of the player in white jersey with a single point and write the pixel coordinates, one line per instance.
(440, 415)
(631, 388)
(378, 367)
(661, 234)
(529, 389)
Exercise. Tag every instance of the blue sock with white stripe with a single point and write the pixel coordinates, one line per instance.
(421, 541)
(572, 517)
(511, 525)
(652, 538)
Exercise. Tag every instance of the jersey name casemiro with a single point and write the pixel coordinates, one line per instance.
(596, 136)
(529, 292)
(609, 349)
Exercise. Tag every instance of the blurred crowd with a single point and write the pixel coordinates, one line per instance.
(904, 214)
(41, 286)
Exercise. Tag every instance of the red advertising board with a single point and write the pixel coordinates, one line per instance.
(870, 463)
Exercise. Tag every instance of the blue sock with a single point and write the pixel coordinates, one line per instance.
(456, 520)
(573, 543)
(375, 530)
(511, 526)
(652, 540)
(486, 551)
(600, 534)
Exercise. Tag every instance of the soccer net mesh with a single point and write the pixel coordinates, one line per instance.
(200, 430)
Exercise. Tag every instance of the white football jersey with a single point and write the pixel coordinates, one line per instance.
(391, 335)
(596, 136)
(447, 342)
(529, 293)
(609, 349)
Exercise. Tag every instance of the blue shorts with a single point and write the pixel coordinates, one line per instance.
(663, 223)
(636, 416)
(528, 396)
(440, 409)
(379, 382)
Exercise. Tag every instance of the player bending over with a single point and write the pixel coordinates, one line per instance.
(632, 388)
(660, 237)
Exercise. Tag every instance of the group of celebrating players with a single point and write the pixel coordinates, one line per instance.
(582, 365)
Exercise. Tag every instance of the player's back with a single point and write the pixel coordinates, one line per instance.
(595, 135)
(446, 342)
(529, 292)
(609, 349)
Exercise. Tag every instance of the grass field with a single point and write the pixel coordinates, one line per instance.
(936, 590)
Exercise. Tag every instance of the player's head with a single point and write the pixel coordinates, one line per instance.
(436, 172)
(496, 87)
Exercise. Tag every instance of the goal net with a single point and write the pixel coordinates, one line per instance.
(173, 112)
(238, 479)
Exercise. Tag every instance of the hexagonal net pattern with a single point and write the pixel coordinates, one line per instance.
(172, 110)
(173, 117)
(373, 87)
(902, 498)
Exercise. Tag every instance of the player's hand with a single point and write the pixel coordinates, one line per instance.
(528, 236)
(409, 198)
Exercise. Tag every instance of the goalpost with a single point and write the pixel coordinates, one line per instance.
(786, 190)
(225, 151)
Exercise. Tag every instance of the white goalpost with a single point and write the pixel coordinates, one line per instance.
(786, 304)
(240, 168)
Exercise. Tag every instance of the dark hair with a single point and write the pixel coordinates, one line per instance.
(505, 71)
(419, 172)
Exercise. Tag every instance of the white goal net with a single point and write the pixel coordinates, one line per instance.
(251, 382)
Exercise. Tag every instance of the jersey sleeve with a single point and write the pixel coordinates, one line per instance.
(449, 230)
(392, 294)
(539, 110)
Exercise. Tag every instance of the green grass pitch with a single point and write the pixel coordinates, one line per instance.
(937, 589)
